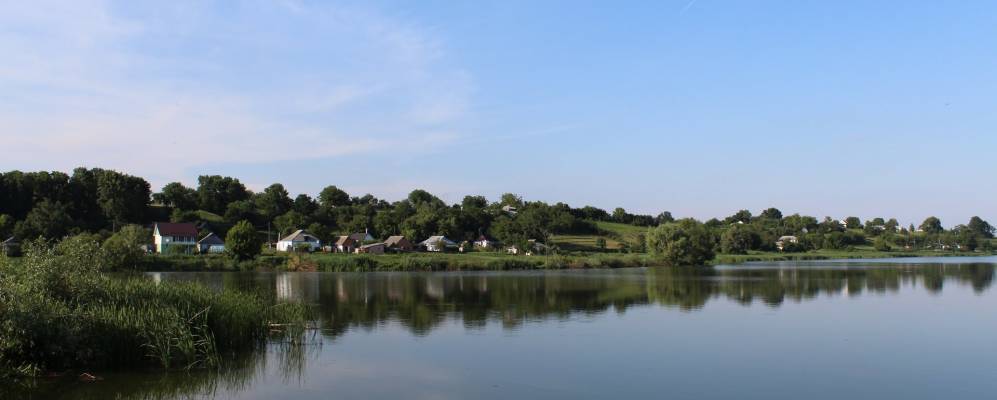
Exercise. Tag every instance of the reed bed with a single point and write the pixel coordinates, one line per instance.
(59, 312)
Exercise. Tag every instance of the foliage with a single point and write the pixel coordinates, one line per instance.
(123, 250)
(686, 242)
(242, 242)
(58, 311)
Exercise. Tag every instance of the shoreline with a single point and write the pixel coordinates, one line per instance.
(433, 262)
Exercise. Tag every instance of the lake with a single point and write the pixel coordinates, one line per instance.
(873, 329)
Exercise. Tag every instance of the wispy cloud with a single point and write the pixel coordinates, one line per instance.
(162, 89)
(688, 6)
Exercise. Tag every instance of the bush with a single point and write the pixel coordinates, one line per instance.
(242, 242)
(686, 242)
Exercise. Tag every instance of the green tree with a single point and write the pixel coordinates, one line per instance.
(686, 242)
(304, 205)
(274, 201)
(289, 222)
(932, 225)
(332, 196)
(664, 218)
(47, 219)
(772, 213)
(6, 226)
(980, 227)
(242, 241)
(176, 195)
(214, 192)
(124, 248)
(892, 225)
(240, 210)
(122, 198)
(738, 239)
(853, 223)
(743, 216)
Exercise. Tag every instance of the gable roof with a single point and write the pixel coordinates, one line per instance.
(344, 240)
(10, 241)
(438, 238)
(300, 236)
(176, 229)
(212, 238)
(359, 236)
(367, 246)
(393, 240)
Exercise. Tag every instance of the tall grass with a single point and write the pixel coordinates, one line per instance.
(58, 311)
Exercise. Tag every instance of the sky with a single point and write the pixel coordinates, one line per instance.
(699, 107)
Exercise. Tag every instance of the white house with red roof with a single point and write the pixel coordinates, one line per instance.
(171, 237)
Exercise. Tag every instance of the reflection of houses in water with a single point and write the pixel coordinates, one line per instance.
(435, 287)
(296, 286)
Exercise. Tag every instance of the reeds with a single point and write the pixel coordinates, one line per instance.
(58, 311)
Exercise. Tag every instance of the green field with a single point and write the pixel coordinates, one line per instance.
(615, 234)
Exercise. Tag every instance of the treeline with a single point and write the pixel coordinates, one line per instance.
(690, 242)
(54, 204)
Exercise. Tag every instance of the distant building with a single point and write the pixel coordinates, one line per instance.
(174, 237)
(10, 246)
(534, 246)
(781, 243)
(485, 242)
(398, 244)
(345, 244)
(297, 239)
(211, 244)
(510, 209)
(373, 248)
(437, 243)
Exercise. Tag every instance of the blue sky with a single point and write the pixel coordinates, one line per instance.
(701, 108)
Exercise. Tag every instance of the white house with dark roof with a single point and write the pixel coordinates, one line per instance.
(299, 238)
(437, 243)
(174, 237)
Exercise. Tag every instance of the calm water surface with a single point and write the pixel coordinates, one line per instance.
(911, 329)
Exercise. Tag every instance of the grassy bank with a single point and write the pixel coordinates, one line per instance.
(478, 261)
(833, 255)
(59, 312)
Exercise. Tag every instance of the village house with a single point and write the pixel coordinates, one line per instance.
(297, 240)
(211, 244)
(10, 246)
(485, 242)
(373, 248)
(174, 237)
(398, 244)
(437, 243)
(345, 244)
(781, 243)
(534, 246)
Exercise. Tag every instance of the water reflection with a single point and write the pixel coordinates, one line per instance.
(364, 305)
(423, 301)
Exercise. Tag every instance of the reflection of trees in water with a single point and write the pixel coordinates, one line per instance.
(421, 302)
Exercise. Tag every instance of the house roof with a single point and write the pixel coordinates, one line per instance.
(367, 246)
(299, 236)
(359, 236)
(343, 240)
(434, 239)
(394, 240)
(212, 238)
(176, 228)
(10, 241)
